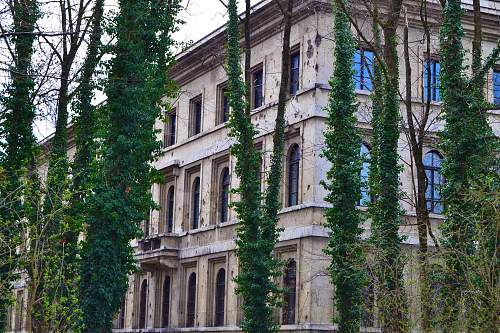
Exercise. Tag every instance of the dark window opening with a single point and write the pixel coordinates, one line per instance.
(143, 304)
(165, 308)
(170, 128)
(191, 301)
(196, 109)
(293, 175)
(432, 166)
(224, 195)
(289, 283)
(363, 68)
(195, 204)
(220, 290)
(257, 88)
(170, 209)
(222, 105)
(432, 72)
(294, 72)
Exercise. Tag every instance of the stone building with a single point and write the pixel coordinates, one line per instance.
(187, 259)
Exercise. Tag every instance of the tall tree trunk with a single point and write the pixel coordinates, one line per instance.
(393, 312)
(416, 136)
(20, 145)
(342, 146)
(137, 81)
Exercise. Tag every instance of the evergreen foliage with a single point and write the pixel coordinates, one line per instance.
(18, 145)
(385, 210)
(137, 80)
(469, 153)
(342, 142)
(256, 235)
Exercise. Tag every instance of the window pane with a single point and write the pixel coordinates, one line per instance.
(197, 117)
(195, 213)
(191, 301)
(170, 209)
(143, 304)
(367, 69)
(496, 87)
(357, 69)
(224, 195)
(289, 283)
(220, 290)
(257, 88)
(365, 170)
(165, 309)
(173, 121)
(294, 73)
(293, 176)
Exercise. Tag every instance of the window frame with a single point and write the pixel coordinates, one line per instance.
(170, 128)
(364, 186)
(220, 298)
(143, 304)
(254, 71)
(294, 85)
(290, 177)
(195, 115)
(432, 169)
(223, 197)
(166, 301)
(365, 69)
(288, 312)
(170, 208)
(223, 109)
(191, 300)
(195, 207)
(496, 77)
(435, 79)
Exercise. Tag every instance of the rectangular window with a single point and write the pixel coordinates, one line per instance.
(496, 86)
(170, 127)
(431, 72)
(363, 69)
(294, 72)
(222, 104)
(195, 116)
(257, 87)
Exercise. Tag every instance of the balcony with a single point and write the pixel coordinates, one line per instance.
(158, 252)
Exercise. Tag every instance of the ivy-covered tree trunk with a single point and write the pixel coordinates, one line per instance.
(18, 144)
(386, 211)
(342, 144)
(256, 234)
(469, 152)
(85, 119)
(137, 80)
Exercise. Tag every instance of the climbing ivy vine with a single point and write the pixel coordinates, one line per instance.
(342, 145)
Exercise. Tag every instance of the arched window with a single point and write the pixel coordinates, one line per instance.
(432, 166)
(170, 209)
(293, 175)
(165, 307)
(195, 204)
(143, 304)
(224, 195)
(191, 301)
(220, 290)
(289, 283)
(365, 171)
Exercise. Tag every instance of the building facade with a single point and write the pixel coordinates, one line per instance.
(187, 258)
